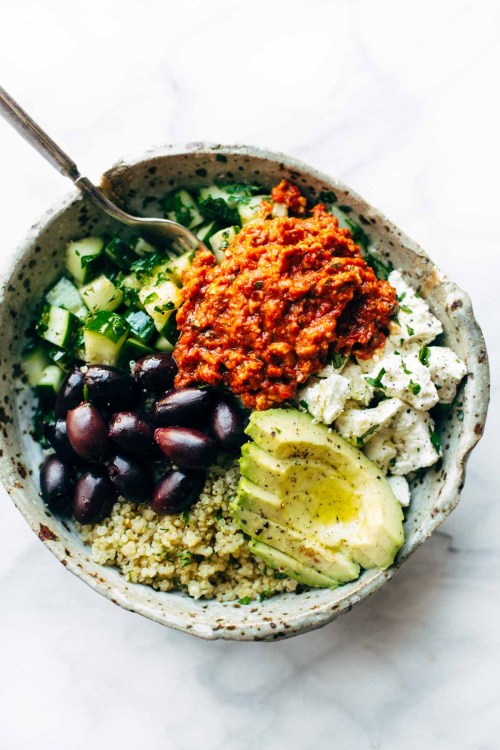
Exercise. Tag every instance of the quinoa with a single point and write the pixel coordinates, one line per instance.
(200, 551)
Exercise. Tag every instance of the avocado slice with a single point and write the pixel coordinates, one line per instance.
(289, 566)
(309, 494)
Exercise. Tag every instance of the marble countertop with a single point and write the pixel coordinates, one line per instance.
(400, 101)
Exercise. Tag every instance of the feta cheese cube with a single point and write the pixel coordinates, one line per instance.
(411, 434)
(416, 323)
(401, 490)
(405, 378)
(446, 370)
(325, 398)
(359, 389)
(381, 450)
(360, 425)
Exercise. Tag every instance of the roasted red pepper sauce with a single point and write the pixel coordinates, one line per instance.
(289, 292)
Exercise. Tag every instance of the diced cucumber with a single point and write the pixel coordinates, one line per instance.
(250, 211)
(50, 383)
(221, 202)
(163, 345)
(133, 350)
(180, 206)
(141, 247)
(58, 326)
(220, 240)
(120, 253)
(35, 360)
(180, 264)
(130, 286)
(341, 216)
(206, 231)
(101, 294)
(104, 335)
(160, 299)
(141, 324)
(61, 358)
(65, 294)
(82, 258)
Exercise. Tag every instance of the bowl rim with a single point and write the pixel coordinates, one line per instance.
(445, 503)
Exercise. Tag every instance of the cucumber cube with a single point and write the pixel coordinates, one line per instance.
(181, 264)
(57, 326)
(65, 294)
(141, 324)
(35, 360)
(82, 258)
(64, 360)
(130, 286)
(163, 345)
(250, 211)
(49, 384)
(220, 240)
(120, 253)
(206, 231)
(104, 335)
(132, 351)
(101, 294)
(141, 247)
(160, 300)
(180, 206)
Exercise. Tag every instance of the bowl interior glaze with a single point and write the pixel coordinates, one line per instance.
(139, 182)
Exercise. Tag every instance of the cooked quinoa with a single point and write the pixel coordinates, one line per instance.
(200, 552)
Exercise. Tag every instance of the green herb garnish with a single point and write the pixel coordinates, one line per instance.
(424, 355)
(376, 382)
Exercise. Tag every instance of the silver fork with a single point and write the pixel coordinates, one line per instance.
(158, 232)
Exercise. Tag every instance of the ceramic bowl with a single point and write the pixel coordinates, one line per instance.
(139, 182)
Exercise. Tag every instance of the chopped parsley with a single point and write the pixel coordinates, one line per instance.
(337, 360)
(184, 557)
(377, 382)
(245, 600)
(411, 331)
(405, 370)
(424, 355)
(415, 388)
(360, 440)
(406, 309)
(435, 440)
(186, 516)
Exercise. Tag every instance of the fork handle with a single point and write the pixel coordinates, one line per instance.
(36, 137)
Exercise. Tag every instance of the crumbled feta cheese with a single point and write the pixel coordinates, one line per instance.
(405, 378)
(280, 210)
(360, 425)
(367, 365)
(359, 390)
(381, 450)
(446, 370)
(411, 434)
(325, 398)
(401, 490)
(415, 323)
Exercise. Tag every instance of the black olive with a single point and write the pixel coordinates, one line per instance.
(70, 393)
(57, 435)
(156, 372)
(186, 447)
(133, 435)
(55, 484)
(94, 496)
(110, 388)
(185, 406)
(176, 491)
(130, 479)
(228, 424)
(88, 432)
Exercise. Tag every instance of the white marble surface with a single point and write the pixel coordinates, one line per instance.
(399, 99)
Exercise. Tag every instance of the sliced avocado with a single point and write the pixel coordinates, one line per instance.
(336, 565)
(321, 497)
(289, 566)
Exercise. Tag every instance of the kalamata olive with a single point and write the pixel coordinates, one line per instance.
(228, 424)
(110, 388)
(176, 491)
(70, 393)
(88, 432)
(185, 406)
(55, 484)
(130, 479)
(57, 435)
(156, 372)
(186, 447)
(94, 496)
(133, 435)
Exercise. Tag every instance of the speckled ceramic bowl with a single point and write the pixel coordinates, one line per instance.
(139, 182)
